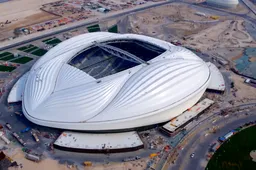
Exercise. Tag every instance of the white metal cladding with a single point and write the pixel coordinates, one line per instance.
(223, 3)
(62, 96)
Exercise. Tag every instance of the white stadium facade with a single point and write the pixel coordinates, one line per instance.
(105, 81)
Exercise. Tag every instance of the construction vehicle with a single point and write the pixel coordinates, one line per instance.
(19, 139)
(4, 138)
(87, 163)
(32, 157)
(152, 155)
(214, 17)
(35, 136)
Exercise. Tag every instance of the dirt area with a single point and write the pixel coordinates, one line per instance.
(19, 9)
(244, 91)
(18, 156)
(226, 34)
(252, 59)
(184, 28)
(21, 13)
(200, 30)
(135, 165)
(175, 20)
(8, 29)
(35, 18)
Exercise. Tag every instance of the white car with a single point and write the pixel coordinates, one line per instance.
(192, 155)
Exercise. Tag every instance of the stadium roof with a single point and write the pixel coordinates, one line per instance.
(156, 89)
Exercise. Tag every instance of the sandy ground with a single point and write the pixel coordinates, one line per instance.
(40, 16)
(17, 9)
(244, 91)
(169, 21)
(22, 13)
(135, 165)
(226, 34)
(50, 164)
(230, 54)
(252, 59)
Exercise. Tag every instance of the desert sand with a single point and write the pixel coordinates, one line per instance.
(17, 9)
(50, 164)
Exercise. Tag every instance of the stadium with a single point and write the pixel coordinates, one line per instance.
(105, 81)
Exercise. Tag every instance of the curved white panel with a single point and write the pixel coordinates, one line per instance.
(70, 76)
(17, 90)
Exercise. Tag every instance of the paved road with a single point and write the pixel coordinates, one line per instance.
(250, 5)
(199, 143)
(47, 33)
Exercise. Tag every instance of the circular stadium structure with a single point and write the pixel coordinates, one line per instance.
(106, 81)
(223, 3)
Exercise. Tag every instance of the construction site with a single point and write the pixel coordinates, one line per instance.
(227, 38)
(38, 16)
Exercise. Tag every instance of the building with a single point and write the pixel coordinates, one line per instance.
(107, 82)
(176, 124)
(223, 3)
(99, 142)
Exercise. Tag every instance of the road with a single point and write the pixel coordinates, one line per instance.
(198, 143)
(65, 28)
(250, 5)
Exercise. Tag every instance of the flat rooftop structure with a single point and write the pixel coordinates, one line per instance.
(99, 143)
(217, 81)
(187, 115)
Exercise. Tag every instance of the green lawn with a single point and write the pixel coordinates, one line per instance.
(93, 28)
(113, 29)
(30, 49)
(22, 60)
(234, 154)
(53, 41)
(26, 47)
(6, 68)
(5, 54)
(7, 58)
(39, 52)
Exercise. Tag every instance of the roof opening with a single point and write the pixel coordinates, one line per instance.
(104, 59)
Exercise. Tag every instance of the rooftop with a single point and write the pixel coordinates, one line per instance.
(217, 81)
(187, 115)
(104, 141)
